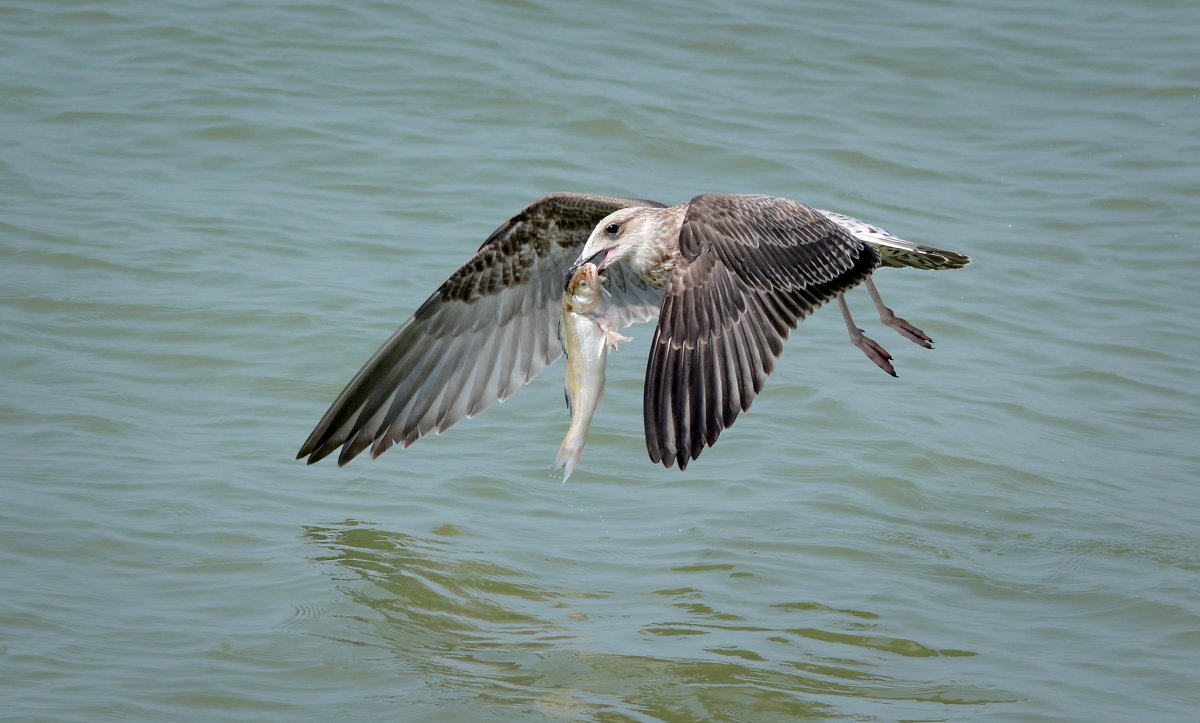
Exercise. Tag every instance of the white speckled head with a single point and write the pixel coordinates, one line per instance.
(639, 237)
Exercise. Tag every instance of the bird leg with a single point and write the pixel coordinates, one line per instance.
(907, 330)
(869, 346)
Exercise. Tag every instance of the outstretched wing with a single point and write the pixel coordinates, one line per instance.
(750, 268)
(487, 331)
(895, 251)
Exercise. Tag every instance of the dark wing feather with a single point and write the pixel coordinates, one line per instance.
(487, 331)
(750, 269)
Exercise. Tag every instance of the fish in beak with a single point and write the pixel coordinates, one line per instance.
(597, 258)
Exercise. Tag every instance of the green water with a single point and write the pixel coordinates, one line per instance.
(212, 213)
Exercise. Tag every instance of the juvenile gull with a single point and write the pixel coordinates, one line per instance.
(728, 276)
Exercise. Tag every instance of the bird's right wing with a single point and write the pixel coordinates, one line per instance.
(750, 268)
(488, 329)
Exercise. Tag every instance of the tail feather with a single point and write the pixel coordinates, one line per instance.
(895, 251)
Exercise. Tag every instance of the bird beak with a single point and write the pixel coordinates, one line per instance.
(597, 258)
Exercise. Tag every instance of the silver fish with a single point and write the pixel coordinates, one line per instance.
(587, 334)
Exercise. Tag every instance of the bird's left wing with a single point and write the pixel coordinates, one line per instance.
(750, 268)
(487, 330)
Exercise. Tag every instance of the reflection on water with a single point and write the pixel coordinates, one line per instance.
(485, 632)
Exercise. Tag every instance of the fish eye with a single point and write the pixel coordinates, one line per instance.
(612, 229)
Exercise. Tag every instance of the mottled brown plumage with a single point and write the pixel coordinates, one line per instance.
(485, 332)
(728, 275)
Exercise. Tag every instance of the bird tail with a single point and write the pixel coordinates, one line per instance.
(895, 251)
(900, 253)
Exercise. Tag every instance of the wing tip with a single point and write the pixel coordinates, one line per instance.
(314, 452)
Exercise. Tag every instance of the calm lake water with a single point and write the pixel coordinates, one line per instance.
(212, 213)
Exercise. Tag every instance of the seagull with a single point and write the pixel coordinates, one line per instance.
(728, 276)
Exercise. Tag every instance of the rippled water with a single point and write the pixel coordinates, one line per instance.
(212, 213)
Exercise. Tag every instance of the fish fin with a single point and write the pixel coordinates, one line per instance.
(614, 338)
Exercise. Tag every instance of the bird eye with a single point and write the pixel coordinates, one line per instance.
(612, 229)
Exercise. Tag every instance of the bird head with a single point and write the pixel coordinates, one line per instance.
(613, 239)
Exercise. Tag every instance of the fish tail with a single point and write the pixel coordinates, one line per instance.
(568, 456)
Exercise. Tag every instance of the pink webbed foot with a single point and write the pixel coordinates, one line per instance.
(869, 346)
(888, 317)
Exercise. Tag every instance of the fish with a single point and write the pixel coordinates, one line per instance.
(587, 334)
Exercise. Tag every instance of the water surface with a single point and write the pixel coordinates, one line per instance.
(211, 215)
